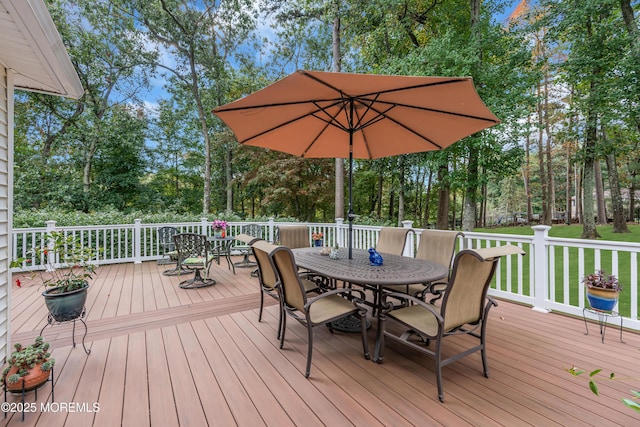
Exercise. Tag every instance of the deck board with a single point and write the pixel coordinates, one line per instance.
(161, 355)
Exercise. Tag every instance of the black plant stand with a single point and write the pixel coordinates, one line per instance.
(35, 391)
(603, 317)
(51, 321)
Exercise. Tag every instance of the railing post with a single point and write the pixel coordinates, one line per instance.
(408, 244)
(271, 227)
(339, 239)
(137, 241)
(51, 256)
(541, 268)
(204, 224)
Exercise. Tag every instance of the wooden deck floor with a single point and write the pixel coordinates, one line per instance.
(165, 356)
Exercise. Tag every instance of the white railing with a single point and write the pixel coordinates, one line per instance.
(547, 278)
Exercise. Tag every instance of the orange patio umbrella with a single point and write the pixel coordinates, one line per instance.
(363, 116)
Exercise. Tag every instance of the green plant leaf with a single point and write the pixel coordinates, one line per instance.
(632, 404)
(594, 373)
(594, 387)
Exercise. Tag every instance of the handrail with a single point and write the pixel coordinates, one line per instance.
(548, 278)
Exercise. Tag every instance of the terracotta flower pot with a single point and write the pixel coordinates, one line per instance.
(34, 378)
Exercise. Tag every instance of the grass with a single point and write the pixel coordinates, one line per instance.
(575, 276)
(571, 232)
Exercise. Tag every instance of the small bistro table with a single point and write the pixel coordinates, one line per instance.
(395, 270)
(221, 246)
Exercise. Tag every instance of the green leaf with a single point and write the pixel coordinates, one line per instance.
(631, 404)
(594, 387)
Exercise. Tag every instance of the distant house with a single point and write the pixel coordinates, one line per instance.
(33, 58)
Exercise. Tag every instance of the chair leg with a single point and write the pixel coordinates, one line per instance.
(438, 360)
(284, 328)
(365, 338)
(261, 305)
(309, 350)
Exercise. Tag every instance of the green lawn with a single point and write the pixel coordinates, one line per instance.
(575, 276)
(571, 232)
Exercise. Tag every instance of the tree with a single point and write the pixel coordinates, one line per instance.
(67, 135)
(200, 37)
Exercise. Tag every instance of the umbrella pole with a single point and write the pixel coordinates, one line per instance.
(350, 215)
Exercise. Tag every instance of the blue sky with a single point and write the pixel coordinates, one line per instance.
(157, 92)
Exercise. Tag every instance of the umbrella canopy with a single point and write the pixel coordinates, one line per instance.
(365, 116)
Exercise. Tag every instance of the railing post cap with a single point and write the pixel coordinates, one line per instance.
(540, 228)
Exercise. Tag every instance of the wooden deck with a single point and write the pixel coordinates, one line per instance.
(165, 356)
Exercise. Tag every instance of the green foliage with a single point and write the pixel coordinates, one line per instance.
(68, 262)
(593, 386)
(25, 359)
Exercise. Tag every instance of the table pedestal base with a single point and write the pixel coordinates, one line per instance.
(349, 324)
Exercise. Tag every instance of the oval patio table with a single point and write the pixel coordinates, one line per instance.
(395, 270)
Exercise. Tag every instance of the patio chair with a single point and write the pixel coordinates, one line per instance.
(392, 240)
(268, 278)
(436, 246)
(464, 310)
(249, 234)
(194, 254)
(318, 310)
(293, 236)
(167, 246)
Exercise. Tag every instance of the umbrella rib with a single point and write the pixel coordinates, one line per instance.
(450, 81)
(433, 110)
(314, 114)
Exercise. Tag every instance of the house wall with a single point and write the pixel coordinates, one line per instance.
(6, 185)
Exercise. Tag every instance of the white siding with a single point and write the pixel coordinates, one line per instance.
(6, 147)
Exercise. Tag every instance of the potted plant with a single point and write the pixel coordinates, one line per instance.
(602, 290)
(219, 228)
(68, 266)
(317, 238)
(28, 367)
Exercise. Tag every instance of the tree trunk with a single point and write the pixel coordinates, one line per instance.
(600, 202)
(526, 173)
(568, 209)
(632, 197)
(589, 225)
(619, 222)
(469, 210)
(442, 221)
(549, 181)
(337, 67)
(401, 185)
(541, 154)
(229, 178)
(425, 221)
(380, 182)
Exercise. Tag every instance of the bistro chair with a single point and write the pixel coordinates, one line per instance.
(464, 310)
(437, 246)
(167, 246)
(248, 234)
(168, 249)
(293, 236)
(194, 254)
(318, 310)
(392, 240)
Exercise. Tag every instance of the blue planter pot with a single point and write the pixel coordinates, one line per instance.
(65, 306)
(602, 299)
(317, 242)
